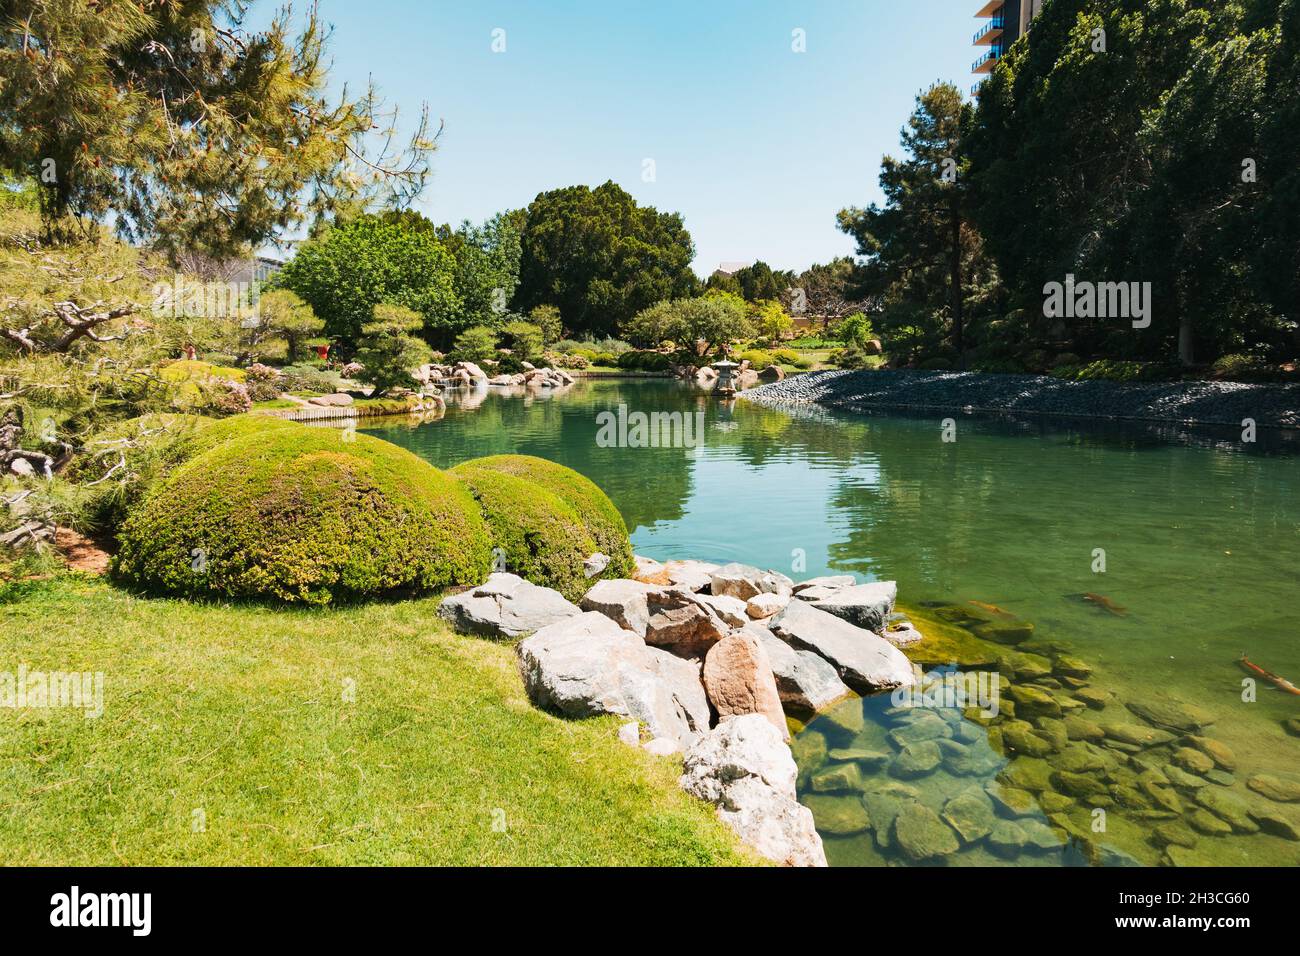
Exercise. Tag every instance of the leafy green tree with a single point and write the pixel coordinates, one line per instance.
(1165, 156)
(478, 343)
(771, 321)
(702, 325)
(281, 317)
(195, 131)
(547, 318)
(349, 269)
(600, 258)
(855, 330)
(524, 339)
(919, 246)
(390, 348)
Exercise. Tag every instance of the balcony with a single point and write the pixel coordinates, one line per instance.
(987, 62)
(990, 8)
(989, 32)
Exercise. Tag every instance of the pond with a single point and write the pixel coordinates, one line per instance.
(1146, 559)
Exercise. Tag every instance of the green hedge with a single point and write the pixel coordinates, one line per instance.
(152, 446)
(301, 515)
(599, 517)
(541, 536)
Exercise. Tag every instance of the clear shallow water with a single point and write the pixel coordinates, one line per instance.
(1202, 551)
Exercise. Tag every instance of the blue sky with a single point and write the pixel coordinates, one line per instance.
(756, 145)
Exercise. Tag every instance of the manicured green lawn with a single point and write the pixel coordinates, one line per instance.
(242, 713)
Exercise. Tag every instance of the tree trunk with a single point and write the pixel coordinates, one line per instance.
(958, 318)
(1186, 353)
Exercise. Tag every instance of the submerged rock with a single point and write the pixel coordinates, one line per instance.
(505, 606)
(1230, 809)
(970, 813)
(836, 778)
(1136, 735)
(1216, 750)
(916, 760)
(1092, 697)
(1007, 839)
(838, 816)
(1203, 821)
(1276, 823)
(744, 769)
(1192, 760)
(1004, 632)
(865, 661)
(1275, 788)
(922, 835)
(1013, 801)
(859, 755)
(1171, 715)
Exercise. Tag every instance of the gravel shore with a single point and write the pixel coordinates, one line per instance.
(1218, 403)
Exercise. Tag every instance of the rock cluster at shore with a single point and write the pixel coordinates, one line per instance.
(468, 374)
(1228, 403)
(707, 660)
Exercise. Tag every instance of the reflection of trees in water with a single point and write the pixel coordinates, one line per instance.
(647, 484)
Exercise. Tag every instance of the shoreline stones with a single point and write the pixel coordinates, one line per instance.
(738, 680)
(745, 769)
(588, 665)
(867, 606)
(865, 661)
(505, 606)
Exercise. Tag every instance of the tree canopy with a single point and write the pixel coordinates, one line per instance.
(1162, 135)
(353, 267)
(600, 258)
(195, 132)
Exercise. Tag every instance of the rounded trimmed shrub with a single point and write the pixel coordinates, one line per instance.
(597, 513)
(296, 514)
(541, 536)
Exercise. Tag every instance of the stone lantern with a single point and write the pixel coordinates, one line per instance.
(725, 384)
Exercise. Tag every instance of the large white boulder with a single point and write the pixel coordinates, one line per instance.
(622, 601)
(866, 605)
(588, 665)
(865, 661)
(505, 606)
(806, 682)
(745, 769)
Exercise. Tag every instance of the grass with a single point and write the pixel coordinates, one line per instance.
(241, 713)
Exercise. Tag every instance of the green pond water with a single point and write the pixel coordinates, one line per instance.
(1201, 541)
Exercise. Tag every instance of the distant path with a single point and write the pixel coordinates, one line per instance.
(1216, 403)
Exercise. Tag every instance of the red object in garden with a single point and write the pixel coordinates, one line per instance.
(322, 352)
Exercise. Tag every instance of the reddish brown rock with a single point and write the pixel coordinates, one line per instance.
(738, 680)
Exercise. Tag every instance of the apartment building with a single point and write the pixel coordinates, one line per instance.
(1007, 21)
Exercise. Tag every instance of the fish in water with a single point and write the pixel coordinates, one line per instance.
(1103, 603)
(1269, 676)
(992, 608)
